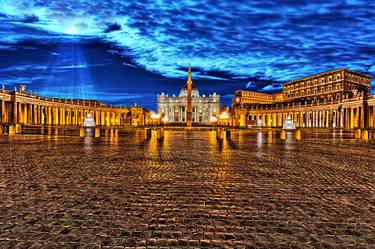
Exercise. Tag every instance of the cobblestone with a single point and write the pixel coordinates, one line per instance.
(187, 190)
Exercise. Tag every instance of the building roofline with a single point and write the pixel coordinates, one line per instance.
(325, 73)
(270, 94)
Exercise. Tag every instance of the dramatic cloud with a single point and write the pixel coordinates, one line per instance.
(113, 27)
(248, 44)
(30, 19)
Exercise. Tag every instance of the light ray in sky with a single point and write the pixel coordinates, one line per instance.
(78, 83)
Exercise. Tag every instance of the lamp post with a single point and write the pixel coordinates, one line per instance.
(155, 118)
(236, 111)
(223, 117)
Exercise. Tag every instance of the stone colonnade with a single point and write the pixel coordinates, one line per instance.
(33, 114)
(351, 116)
(344, 118)
(27, 109)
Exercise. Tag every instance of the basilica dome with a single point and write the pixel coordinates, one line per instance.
(194, 91)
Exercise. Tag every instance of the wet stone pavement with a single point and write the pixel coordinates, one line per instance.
(187, 190)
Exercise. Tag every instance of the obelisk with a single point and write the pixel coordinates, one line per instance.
(189, 110)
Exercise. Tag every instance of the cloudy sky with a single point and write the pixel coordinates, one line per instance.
(122, 52)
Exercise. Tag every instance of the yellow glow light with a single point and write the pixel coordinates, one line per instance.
(224, 115)
(155, 116)
(213, 119)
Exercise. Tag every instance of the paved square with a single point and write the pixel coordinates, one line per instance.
(187, 190)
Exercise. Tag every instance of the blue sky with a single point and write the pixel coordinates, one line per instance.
(122, 52)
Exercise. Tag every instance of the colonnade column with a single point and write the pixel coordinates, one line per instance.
(75, 116)
(351, 118)
(362, 123)
(3, 111)
(41, 115)
(342, 118)
(67, 116)
(47, 116)
(19, 113)
(15, 112)
(96, 117)
(53, 115)
(61, 116)
(347, 118)
(307, 114)
(318, 119)
(71, 116)
(35, 116)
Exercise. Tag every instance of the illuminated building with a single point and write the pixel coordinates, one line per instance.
(21, 108)
(173, 109)
(333, 99)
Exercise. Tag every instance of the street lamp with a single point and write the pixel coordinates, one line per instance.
(237, 101)
(223, 117)
(155, 118)
(236, 112)
(213, 119)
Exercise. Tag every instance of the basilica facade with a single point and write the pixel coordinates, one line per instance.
(173, 109)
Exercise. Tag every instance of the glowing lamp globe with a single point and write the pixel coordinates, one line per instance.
(213, 119)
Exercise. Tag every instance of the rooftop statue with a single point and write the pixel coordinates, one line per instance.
(23, 89)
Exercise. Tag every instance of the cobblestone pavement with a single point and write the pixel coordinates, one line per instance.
(187, 190)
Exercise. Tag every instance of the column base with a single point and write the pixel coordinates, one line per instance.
(97, 132)
(18, 128)
(14, 129)
(357, 133)
(365, 135)
(298, 135)
(82, 132)
(283, 135)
